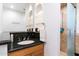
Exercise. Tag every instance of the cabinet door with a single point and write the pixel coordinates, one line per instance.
(38, 53)
(23, 52)
(33, 51)
(30, 54)
(38, 50)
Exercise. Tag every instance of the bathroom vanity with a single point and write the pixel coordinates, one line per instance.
(36, 48)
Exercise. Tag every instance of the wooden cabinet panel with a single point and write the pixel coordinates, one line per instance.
(38, 47)
(21, 52)
(33, 51)
(38, 53)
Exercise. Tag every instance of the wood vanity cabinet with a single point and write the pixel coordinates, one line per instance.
(37, 50)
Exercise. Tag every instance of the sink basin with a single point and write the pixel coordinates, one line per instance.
(25, 42)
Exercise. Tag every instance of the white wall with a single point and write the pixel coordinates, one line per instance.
(1, 11)
(3, 48)
(13, 20)
(77, 18)
(52, 21)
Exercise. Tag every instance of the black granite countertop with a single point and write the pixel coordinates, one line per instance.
(19, 47)
(5, 42)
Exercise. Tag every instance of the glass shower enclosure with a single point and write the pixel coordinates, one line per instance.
(71, 28)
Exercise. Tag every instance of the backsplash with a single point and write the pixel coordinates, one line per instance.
(21, 36)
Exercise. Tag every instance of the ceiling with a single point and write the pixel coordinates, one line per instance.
(21, 7)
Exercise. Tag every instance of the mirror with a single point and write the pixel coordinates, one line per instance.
(15, 16)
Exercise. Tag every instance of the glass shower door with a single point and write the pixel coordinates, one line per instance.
(71, 29)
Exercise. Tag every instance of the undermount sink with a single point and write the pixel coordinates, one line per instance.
(25, 42)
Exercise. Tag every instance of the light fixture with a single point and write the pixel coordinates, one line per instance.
(11, 6)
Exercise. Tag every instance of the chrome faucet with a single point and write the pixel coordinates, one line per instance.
(28, 37)
(24, 38)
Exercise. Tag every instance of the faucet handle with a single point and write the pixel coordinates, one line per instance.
(19, 39)
(24, 38)
(28, 38)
